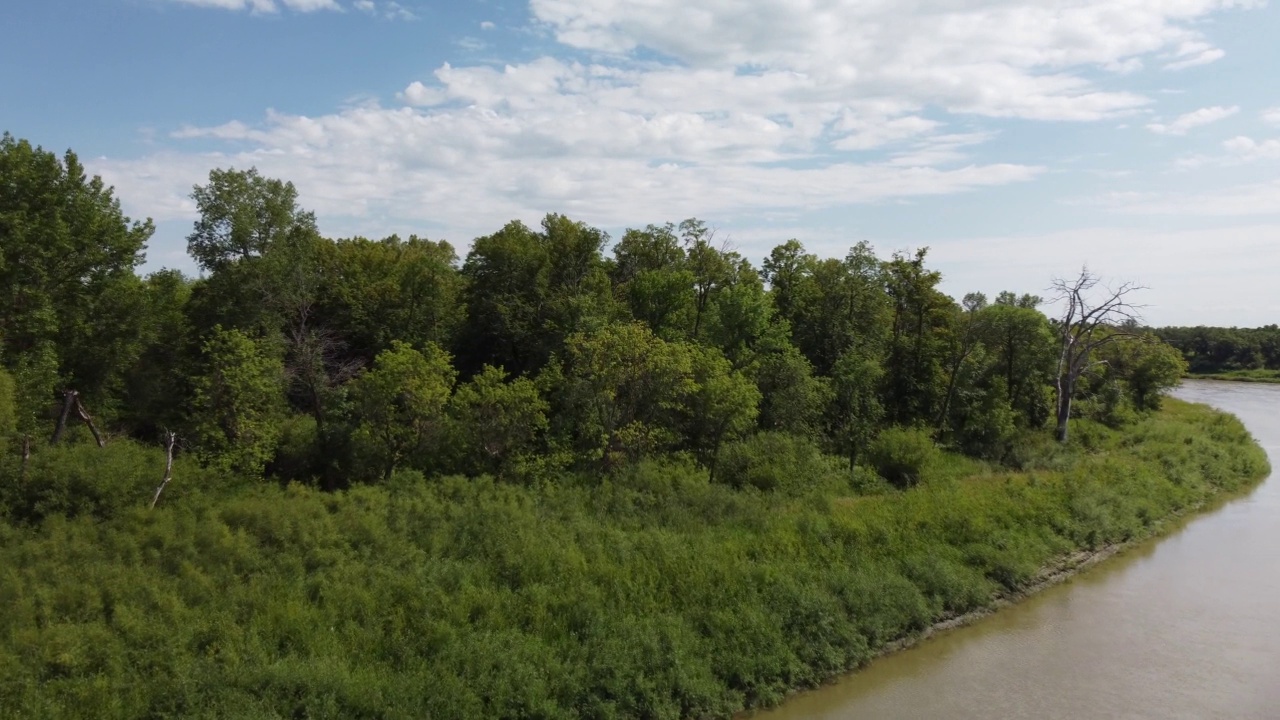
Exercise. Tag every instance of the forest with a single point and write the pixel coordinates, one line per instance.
(1228, 353)
(561, 476)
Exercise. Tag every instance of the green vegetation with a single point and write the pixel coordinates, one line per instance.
(653, 593)
(1246, 354)
(539, 482)
(1259, 376)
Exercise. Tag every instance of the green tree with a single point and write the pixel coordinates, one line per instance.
(620, 393)
(67, 256)
(242, 214)
(793, 399)
(527, 291)
(915, 382)
(722, 406)
(400, 403)
(855, 413)
(652, 279)
(239, 403)
(497, 420)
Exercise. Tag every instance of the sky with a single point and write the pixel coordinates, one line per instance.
(1019, 140)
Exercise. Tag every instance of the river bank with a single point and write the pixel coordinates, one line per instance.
(655, 594)
(1249, 376)
(1178, 627)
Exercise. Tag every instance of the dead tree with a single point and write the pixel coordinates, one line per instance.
(1090, 320)
(71, 401)
(170, 439)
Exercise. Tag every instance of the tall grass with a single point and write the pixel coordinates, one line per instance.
(655, 594)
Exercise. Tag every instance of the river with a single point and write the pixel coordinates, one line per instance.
(1185, 626)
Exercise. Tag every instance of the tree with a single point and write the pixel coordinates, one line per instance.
(497, 420)
(241, 215)
(1088, 323)
(67, 259)
(620, 392)
(400, 403)
(527, 291)
(921, 322)
(856, 411)
(722, 405)
(239, 403)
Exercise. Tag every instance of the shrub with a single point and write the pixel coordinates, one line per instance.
(779, 461)
(901, 455)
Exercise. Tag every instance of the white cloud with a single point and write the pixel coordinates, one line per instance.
(1248, 149)
(1243, 200)
(390, 10)
(1194, 119)
(1004, 58)
(1193, 53)
(257, 6)
(468, 168)
(266, 6)
(736, 109)
(1271, 115)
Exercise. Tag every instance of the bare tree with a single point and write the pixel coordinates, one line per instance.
(170, 439)
(1093, 316)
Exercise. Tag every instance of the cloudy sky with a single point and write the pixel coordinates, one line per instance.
(1018, 139)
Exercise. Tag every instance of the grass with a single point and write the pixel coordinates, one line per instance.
(655, 594)
(1257, 376)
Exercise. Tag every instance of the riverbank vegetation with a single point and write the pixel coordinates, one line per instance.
(561, 477)
(1243, 354)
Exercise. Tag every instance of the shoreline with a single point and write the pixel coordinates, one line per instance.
(1056, 573)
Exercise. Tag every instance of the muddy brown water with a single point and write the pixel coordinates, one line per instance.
(1185, 626)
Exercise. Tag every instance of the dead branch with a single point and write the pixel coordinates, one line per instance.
(170, 439)
(88, 420)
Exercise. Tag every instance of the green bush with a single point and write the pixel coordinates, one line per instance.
(82, 479)
(902, 455)
(780, 461)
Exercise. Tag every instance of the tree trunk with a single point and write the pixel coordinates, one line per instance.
(170, 439)
(68, 402)
(26, 455)
(1065, 388)
(88, 420)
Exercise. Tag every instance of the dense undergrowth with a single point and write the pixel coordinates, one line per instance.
(655, 594)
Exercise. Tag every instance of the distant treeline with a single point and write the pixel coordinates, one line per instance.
(1211, 350)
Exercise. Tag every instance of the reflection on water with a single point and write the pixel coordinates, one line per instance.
(1184, 627)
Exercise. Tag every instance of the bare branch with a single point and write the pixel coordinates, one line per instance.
(171, 438)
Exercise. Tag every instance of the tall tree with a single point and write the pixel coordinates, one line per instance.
(241, 214)
(527, 291)
(67, 259)
(1091, 318)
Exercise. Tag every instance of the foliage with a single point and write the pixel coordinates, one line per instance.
(902, 455)
(67, 256)
(239, 403)
(498, 422)
(657, 595)
(401, 403)
(242, 214)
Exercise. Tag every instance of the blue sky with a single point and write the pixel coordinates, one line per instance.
(1018, 139)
